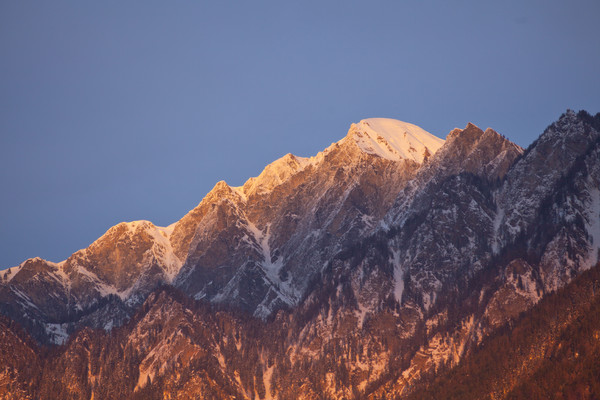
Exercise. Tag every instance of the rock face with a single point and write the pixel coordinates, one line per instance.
(95, 286)
(392, 252)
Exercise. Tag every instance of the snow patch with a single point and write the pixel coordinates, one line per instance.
(398, 276)
(60, 274)
(57, 333)
(263, 238)
(163, 251)
(103, 288)
(24, 297)
(497, 222)
(271, 267)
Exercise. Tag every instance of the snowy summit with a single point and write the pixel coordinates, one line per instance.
(394, 140)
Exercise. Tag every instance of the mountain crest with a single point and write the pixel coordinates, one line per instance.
(274, 175)
(222, 191)
(484, 153)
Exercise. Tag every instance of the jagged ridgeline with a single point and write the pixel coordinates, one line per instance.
(362, 272)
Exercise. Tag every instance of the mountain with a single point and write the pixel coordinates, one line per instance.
(362, 272)
(255, 247)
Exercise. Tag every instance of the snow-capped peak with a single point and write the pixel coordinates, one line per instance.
(394, 140)
(387, 138)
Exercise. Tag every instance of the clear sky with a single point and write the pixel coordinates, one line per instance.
(116, 111)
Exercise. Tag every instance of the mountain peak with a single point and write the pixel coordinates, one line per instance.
(480, 152)
(222, 191)
(384, 137)
(274, 174)
(394, 140)
(471, 133)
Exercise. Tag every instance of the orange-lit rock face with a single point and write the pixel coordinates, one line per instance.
(127, 255)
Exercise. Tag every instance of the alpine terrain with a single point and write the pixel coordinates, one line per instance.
(393, 264)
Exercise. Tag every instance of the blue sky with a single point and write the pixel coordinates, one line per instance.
(118, 111)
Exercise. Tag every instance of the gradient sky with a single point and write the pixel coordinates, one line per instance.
(116, 111)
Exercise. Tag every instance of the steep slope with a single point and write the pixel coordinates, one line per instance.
(553, 212)
(551, 351)
(508, 278)
(258, 246)
(441, 225)
(439, 245)
(536, 176)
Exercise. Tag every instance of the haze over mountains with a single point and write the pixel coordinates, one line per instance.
(357, 273)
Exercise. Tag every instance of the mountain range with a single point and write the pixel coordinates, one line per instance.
(375, 269)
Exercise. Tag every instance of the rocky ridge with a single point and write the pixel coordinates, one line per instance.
(252, 247)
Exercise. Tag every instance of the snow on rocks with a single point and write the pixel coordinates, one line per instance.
(394, 140)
